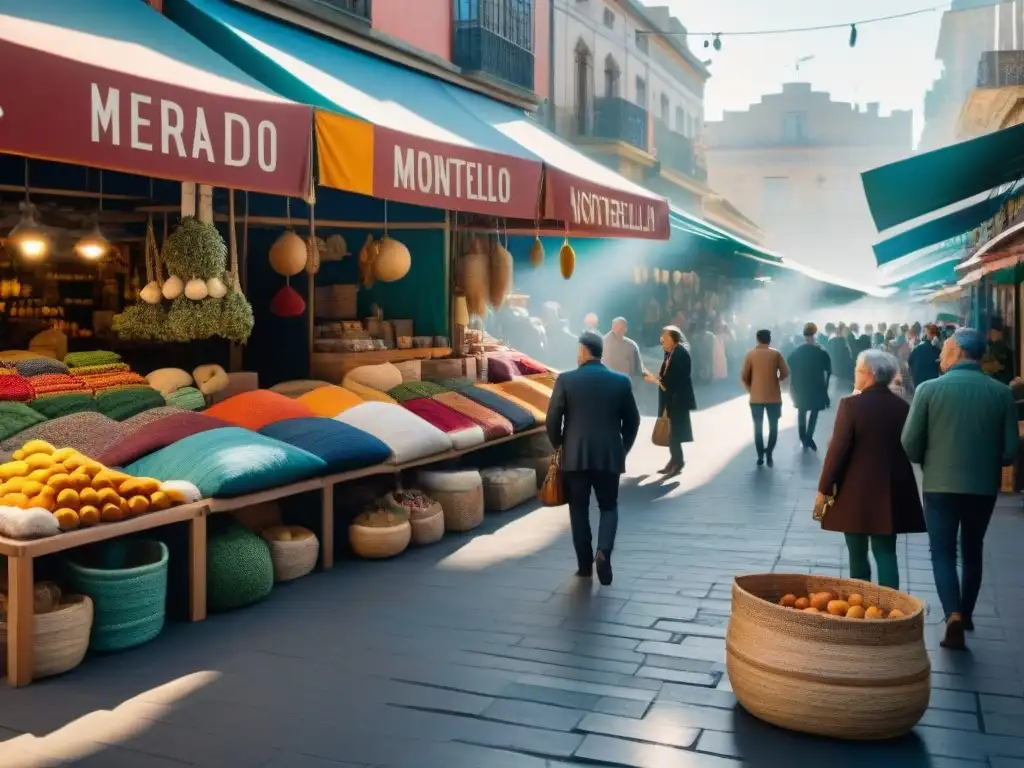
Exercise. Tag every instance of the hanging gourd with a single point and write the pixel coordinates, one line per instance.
(336, 250)
(215, 288)
(315, 247)
(499, 274)
(367, 256)
(536, 252)
(475, 281)
(566, 259)
(393, 260)
(288, 257)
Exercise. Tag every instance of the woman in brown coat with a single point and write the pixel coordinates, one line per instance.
(866, 470)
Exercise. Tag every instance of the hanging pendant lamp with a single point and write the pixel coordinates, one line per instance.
(94, 246)
(28, 237)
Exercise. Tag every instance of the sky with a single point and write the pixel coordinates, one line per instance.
(893, 62)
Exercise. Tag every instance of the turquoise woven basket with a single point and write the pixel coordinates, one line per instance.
(127, 581)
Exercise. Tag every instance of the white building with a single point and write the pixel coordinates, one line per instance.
(635, 100)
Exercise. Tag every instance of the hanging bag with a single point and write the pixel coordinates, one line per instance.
(662, 435)
(552, 490)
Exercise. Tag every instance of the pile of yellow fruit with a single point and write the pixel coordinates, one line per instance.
(76, 489)
(830, 604)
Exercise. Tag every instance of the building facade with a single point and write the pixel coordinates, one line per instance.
(792, 163)
(500, 48)
(969, 30)
(626, 87)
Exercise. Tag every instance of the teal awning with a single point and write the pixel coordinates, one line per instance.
(688, 223)
(937, 230)
(909, 188)
(942, 273)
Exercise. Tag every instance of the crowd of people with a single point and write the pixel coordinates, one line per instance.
(926, 395)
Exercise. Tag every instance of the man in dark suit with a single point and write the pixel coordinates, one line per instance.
(593, 420)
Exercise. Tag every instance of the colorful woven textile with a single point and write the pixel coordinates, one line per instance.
(15, 418)
(39, 366)
(187, 398)
(494, 424)
(544, 379)
(64, 404)
(407, 435)
(258, 408)
(99, 382)
(456, 385)
(146, 436)
(121, 404)
(520, 416)
(411, 390)
(95, 370)
(329, 401)
(57, 384)
(89, 433)
(527, 365)
(341, 446)
(501, 367)
(368, 394)
(94, 357)
(16, 388)
(229, 462)
(529, 394)
(463, 431)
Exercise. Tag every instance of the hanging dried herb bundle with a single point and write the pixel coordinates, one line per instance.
(141, 322)
(184, 320)
(237, 320)
(195, 250)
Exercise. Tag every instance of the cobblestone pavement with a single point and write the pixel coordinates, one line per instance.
(485, 652)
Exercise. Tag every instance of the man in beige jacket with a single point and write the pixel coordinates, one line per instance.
(764, 369)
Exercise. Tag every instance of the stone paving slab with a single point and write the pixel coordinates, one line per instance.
(484, 651)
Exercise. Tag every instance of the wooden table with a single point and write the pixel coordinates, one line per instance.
(21, 577)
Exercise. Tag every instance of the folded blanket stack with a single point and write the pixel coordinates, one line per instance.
(15, 418)
(53, 406)
(39, 366)
(412, 390)
(49, 384)
(114, 379)
(16, 388)
(188, 399)
(121, 404)
(93, 357)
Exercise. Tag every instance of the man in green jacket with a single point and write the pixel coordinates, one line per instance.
(962, 429)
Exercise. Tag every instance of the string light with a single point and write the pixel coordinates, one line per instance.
(714, 39)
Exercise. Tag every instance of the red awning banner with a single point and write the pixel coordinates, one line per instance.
(72, 96)
(586, 207)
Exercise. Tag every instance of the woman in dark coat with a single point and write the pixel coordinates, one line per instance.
(876, 496)
(675, 396)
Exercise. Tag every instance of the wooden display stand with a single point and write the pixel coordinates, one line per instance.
(21, 554)
(332, 366)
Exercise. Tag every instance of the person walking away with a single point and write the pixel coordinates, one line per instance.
(590, 323)
(720, 364)
(810, 369)
(675, 396)
(839, 351)
(704, 353)
(867, 339)
(853, 340)
(593, 419)
(962, 429)
(764, 368)
(924, 358)
(622, 354)
(867, 473)
(998, 360)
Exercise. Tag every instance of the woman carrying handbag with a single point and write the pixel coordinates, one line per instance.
(675, 400)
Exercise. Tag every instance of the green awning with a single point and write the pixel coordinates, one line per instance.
(937, 230)
(909, 188)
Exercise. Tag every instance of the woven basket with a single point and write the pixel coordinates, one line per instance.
(508, 488)
(127, 581)
(378, 543)
(843, 678)
(60, 637)
(463, 510)
(292, 559)
(427, 525)
(427, 530)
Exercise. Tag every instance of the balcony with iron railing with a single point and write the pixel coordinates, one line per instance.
(359, 11)
(677, 152)
(1000, 69)
(616, 118)
(494, 38)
